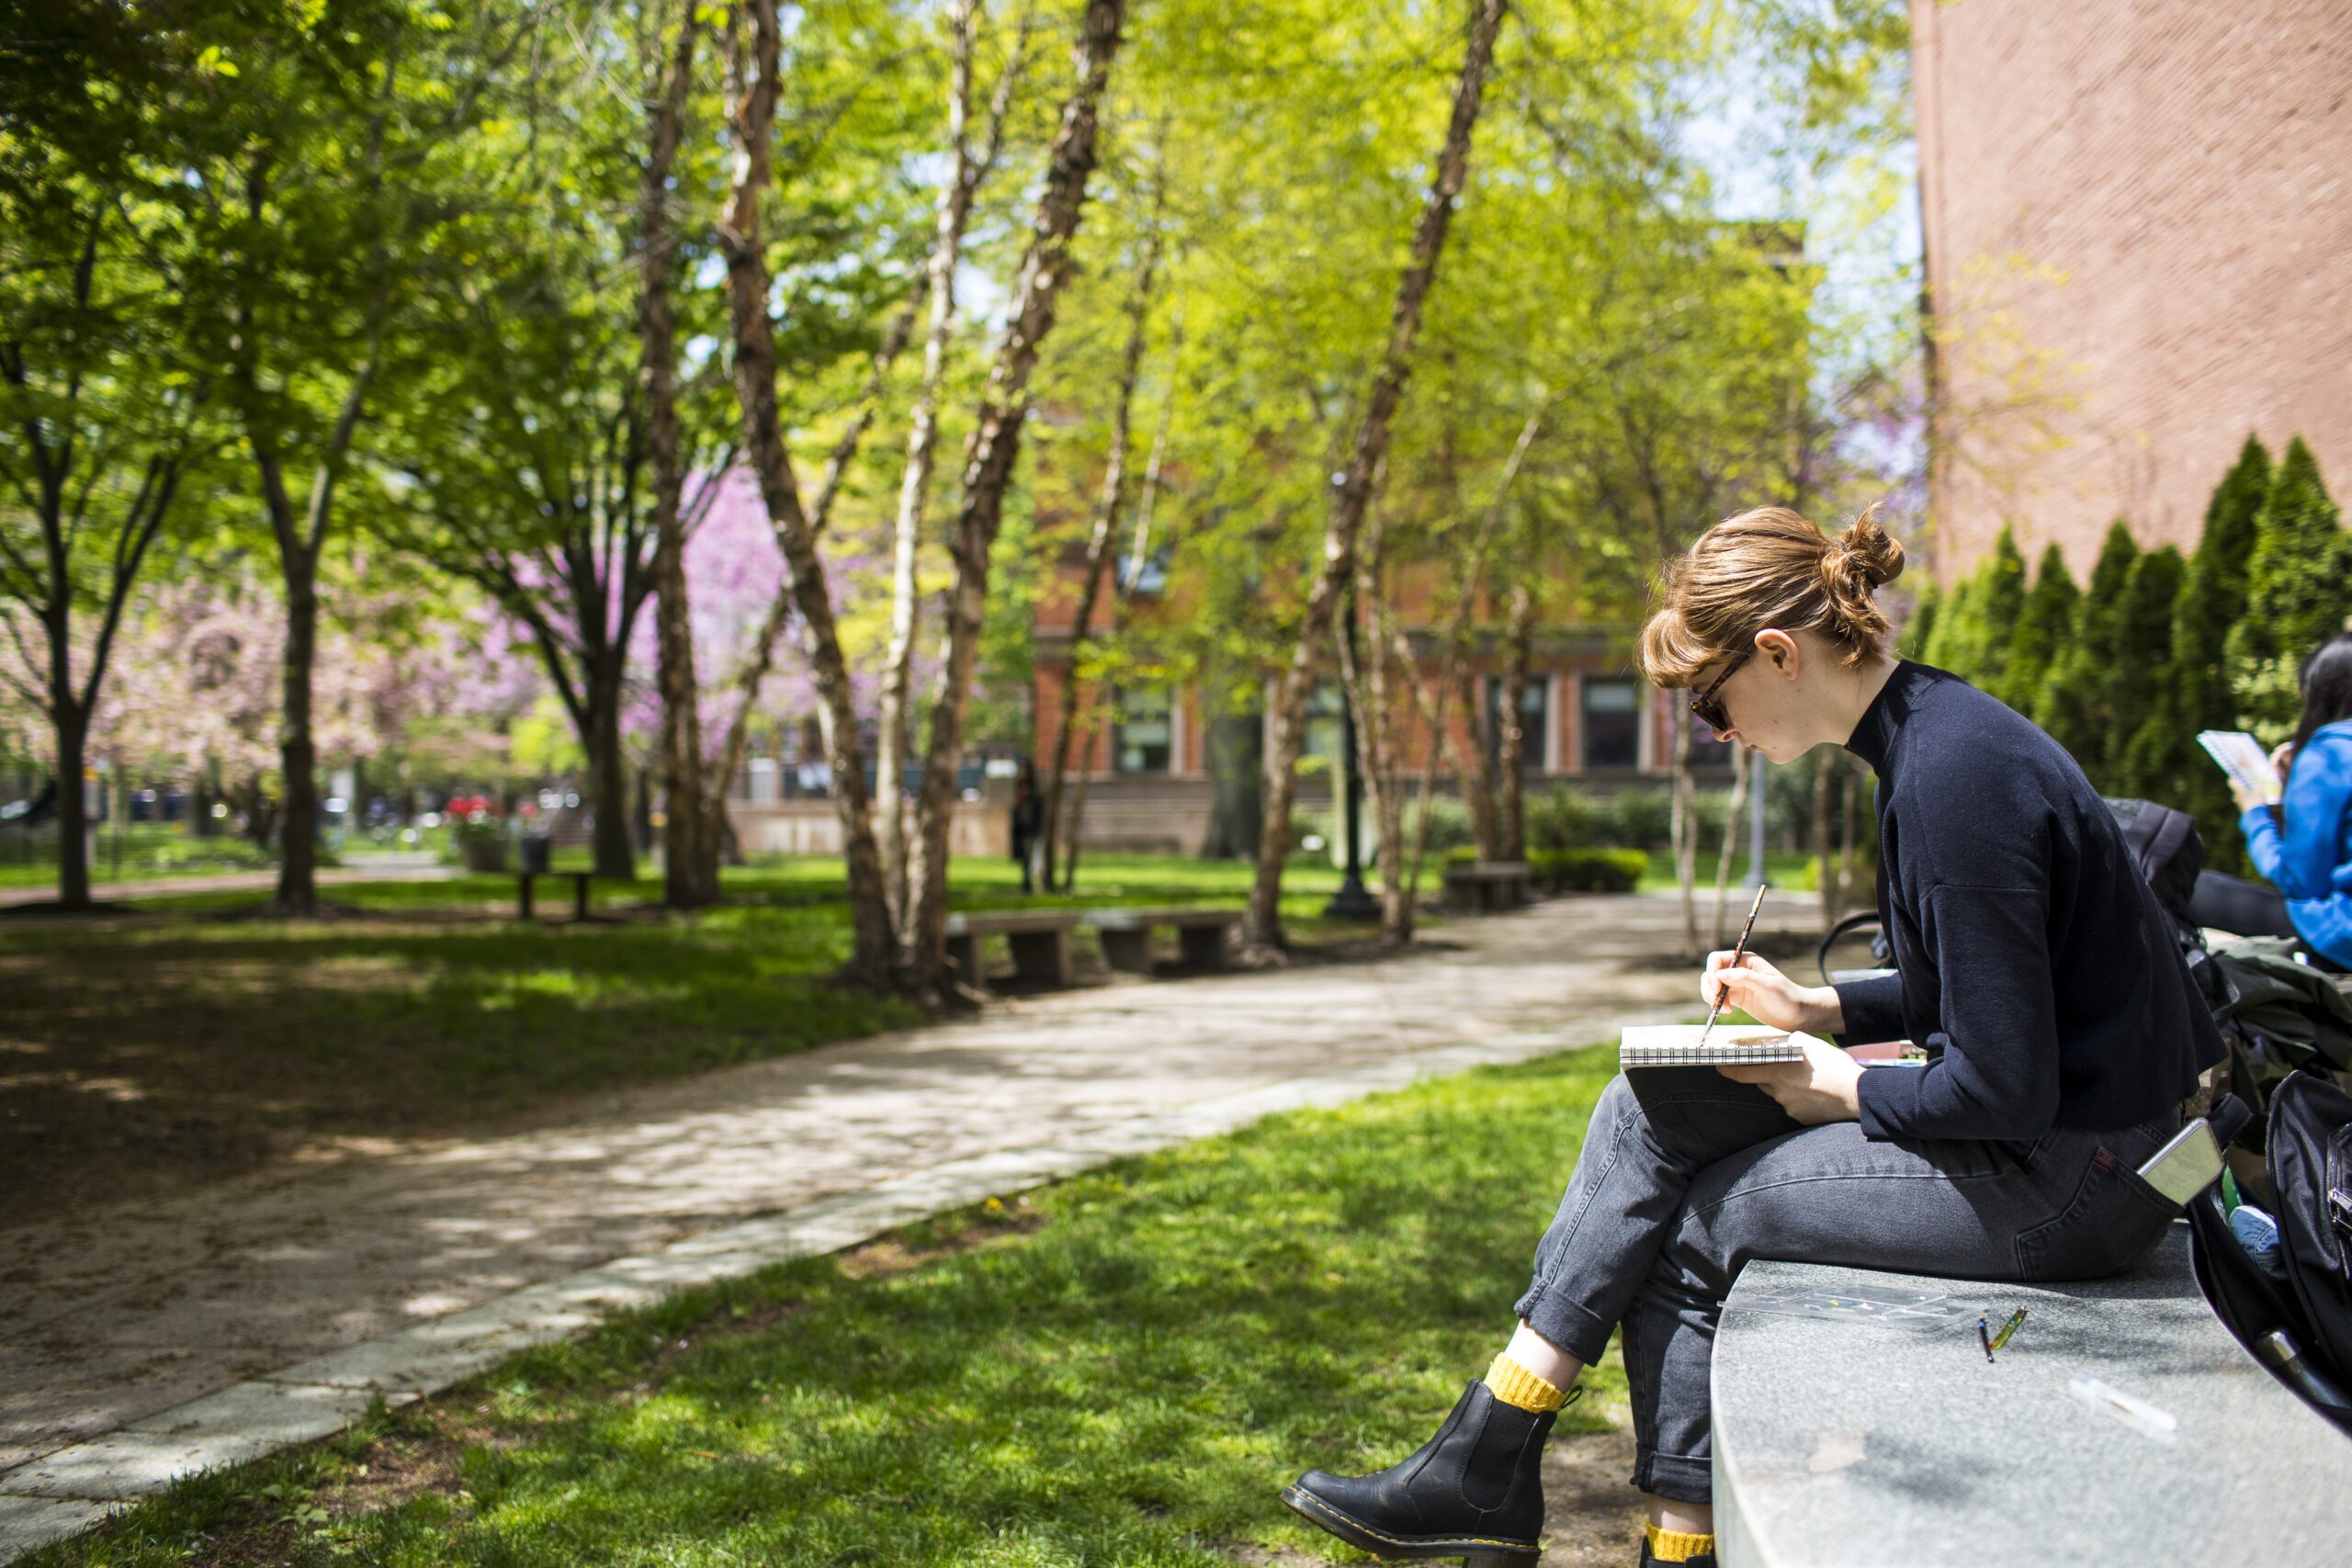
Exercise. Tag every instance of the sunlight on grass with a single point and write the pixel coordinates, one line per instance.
(1120, 1371)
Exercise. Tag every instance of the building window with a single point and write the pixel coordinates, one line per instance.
(1146, 578)
(1612, 714)
(1146, 730)
(1534, 729)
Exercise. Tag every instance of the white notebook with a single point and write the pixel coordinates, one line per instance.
(1676, 1045)
(2241, 756)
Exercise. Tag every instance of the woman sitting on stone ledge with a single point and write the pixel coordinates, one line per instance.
(2302, 842)
(2060, 1026)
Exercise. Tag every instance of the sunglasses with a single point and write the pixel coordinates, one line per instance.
(1709, 707)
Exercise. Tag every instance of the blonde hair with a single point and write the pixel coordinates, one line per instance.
(1771, 566)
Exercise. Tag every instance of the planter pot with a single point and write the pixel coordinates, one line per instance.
(482, 854)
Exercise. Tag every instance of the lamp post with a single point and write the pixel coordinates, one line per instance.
(1352, 902)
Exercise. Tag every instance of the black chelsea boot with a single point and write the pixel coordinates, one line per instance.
(1473, 1491)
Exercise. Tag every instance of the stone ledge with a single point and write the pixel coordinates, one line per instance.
(1848, 1444)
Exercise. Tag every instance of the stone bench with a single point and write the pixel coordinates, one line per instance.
(1845, 1444)
(1126, 935)
(1487, 886)
(1039, 939)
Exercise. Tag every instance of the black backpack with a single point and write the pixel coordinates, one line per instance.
(2310, 1137)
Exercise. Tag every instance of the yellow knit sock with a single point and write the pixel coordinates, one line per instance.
(1514, 1384)
(1677, 1545)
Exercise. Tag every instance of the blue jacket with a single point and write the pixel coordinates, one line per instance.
(2311, 863)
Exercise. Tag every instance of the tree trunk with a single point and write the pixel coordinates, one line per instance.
(1511, 745)
(754, 674)
(1100, 539)
(200, 798)
(1236, 747)
(690, 857)
(922, 434)
(1354, 492)
(298, 757)
(1474, 766)
(1732, 817)
(1453, 673)
(752, 88)
(607, 774)
(1685, 835)
(1376, 739)
(1078, 805)
(73, 730)
(988, 473)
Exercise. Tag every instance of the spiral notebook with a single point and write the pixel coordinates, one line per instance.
(1676, 1045)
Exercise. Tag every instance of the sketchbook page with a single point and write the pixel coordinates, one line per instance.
(1676, 1044)
(2241, 757)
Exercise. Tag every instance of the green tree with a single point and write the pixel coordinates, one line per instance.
(1919, 625)
(2137, 680)
(341, 175)
(2044, 628)
(1952, 626)
(1975, 643)
(2074, 703)
(2166, 761)
(2298, 594)
(104, 416)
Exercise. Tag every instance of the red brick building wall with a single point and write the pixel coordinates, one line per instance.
(2138, 217)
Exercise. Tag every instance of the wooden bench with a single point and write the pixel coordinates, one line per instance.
(1487, 886)
(1039, 939)
(2121, 1423)
(1126, 935)
(525, 903)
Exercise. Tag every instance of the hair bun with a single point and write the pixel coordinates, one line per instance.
(1872, 551)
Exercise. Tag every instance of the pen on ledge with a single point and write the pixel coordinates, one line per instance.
(1738, 951)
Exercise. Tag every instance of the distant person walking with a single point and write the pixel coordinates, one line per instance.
(2305, 847)
(1028, 821)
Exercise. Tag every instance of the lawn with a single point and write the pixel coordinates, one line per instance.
(1119, 1369)
(137, 852)
(1792, 871)
(139, 1055)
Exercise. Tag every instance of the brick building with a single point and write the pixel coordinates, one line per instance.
(2138, 222)
(1588, 719)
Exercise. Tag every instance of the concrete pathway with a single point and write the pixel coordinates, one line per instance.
(145, 1342)
(223, 882)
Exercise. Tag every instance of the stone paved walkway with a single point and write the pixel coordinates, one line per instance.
(108, 1319)
(220, 882)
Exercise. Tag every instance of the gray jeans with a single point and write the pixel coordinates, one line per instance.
(1685, 1176)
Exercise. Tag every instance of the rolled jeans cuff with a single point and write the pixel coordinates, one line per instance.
(1567, 1324)
(1679, 1478)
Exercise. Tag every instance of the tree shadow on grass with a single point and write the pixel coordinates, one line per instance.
(136, 1060)
(1128, 1383)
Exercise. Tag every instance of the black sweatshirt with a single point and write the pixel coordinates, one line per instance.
(2033, 962)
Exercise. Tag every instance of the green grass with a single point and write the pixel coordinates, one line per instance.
(1792, 871)
(141, 852)
(1120, 1369)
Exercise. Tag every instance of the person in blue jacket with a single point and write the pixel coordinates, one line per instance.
(2302, 842)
